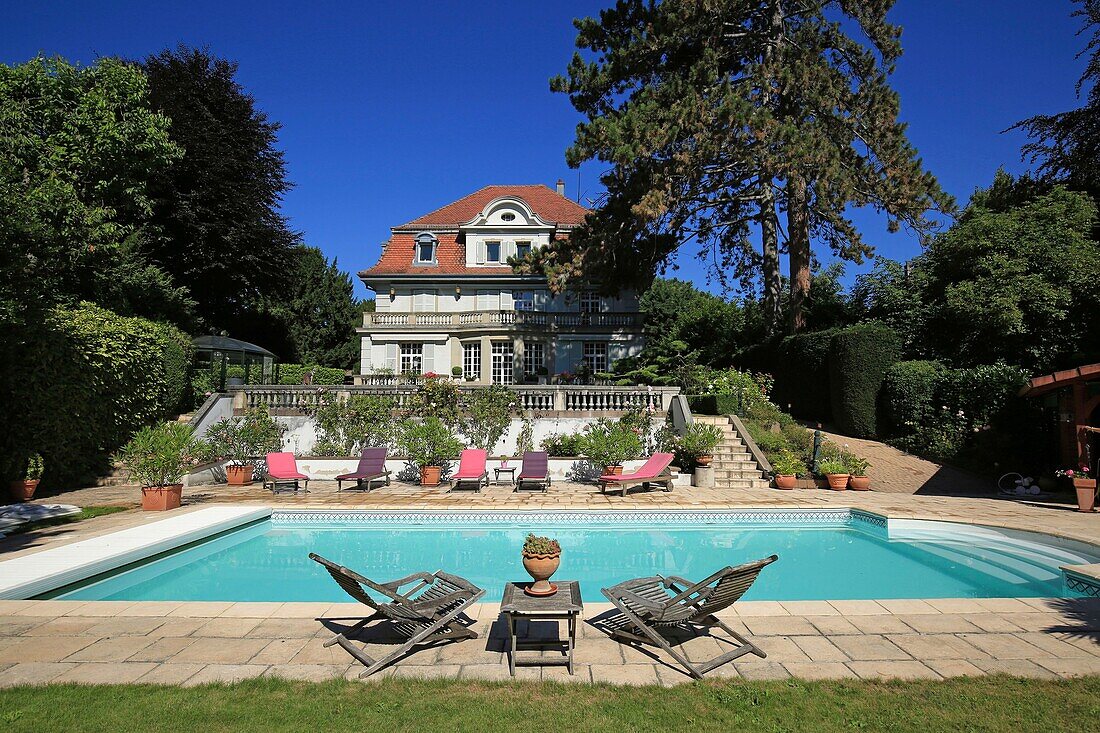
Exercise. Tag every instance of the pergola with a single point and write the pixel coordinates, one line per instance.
(216, 353)
(1075, 393)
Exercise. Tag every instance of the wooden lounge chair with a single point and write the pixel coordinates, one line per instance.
(281, 472)
(471, 470)
(655, 471)
(535, 471)
(424, 614)
(655, 608)
(372, 467)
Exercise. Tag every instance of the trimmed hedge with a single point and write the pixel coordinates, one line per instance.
(800, 366)
(86, 380)
(295, 373)
(908, 396)
(714, 404)
(858, 359)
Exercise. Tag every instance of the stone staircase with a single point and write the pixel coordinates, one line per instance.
(734, 466)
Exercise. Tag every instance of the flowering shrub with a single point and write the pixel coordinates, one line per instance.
(486, 415)
(608, 443)
(345, 427)
(435, 398)
(160, 455)
(1071, 473)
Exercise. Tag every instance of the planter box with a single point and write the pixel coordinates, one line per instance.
(161, 498)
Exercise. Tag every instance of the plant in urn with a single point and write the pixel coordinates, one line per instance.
(541, 557)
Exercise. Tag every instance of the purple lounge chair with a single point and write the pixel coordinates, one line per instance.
(372, 467)
(534, 472)
(471, 469)
(282, 470)
(655, 471)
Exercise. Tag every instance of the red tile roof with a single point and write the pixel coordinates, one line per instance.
(546, 202)
(397, 256)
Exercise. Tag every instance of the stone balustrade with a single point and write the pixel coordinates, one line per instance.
(481, 319)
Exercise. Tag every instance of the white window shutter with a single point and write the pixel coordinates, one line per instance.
(488, 300)
(429, 358)
(481, 252)
(509, 248)
(391, 357)
(506, 300)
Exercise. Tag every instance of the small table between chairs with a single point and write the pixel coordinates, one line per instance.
(565, 605)
(510, 470)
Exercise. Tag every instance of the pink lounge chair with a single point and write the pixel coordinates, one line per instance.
(282, 471)
(655, 471)
(471, 469)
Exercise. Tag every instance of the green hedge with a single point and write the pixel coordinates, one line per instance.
(858, 359)
(714, 404)
(908, 396)
(85, 381)
(800, 366)
(295, 373)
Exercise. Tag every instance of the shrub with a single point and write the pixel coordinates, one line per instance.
(564, 444)
(832, 466)
(609, 443)
(908, 395)
(859, 358)
(243, 440)
(160, 455)
(486, 415)
(85, 380)
(700, 439)
(35, 467)
(799, 365)
(712, 404)
(428, 442)
(435, 398)
(296, 373)
(785, 463)
(346, 427)
(525, 441)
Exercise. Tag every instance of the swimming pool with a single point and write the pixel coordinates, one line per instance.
(823, 554)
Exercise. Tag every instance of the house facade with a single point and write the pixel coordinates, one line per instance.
(445, 296)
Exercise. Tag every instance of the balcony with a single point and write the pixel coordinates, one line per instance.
(480, 320)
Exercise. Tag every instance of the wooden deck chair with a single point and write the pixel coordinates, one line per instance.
(657, 607)
(372, 467)
(282, 471)
(655, 471)
(425, 614)
(535, 471)
(471, 470)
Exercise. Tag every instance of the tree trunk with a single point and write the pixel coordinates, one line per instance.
(773, 282)
(798, 245)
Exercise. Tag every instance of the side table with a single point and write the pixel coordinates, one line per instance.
(565, 605)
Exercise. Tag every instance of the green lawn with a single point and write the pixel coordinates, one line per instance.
(87, 512)
(266, 705)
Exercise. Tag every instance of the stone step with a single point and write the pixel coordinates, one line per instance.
(740, 483)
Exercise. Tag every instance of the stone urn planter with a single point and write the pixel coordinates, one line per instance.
(704, 460)
(161, 498)
(23, 490)
(1086, 493)
(541, 558)
(786, 482)
(238, 475)
(429, 475)
(859, 483)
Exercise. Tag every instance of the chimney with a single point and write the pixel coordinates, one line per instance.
(561, 187)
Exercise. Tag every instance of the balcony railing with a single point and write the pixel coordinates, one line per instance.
(482, 319)
(545, 399)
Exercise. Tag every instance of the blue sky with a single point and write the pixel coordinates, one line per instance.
(390, 110)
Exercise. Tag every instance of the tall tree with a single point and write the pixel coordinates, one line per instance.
(218, 208)
(708, 109)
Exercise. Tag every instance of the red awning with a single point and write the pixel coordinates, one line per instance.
(1057, 380)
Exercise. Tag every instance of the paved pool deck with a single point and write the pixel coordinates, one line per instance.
(192, 643)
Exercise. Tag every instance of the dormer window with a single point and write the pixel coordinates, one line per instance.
(492, 252)
(507, 216)
(425, 249)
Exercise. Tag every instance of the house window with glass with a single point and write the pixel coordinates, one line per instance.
(524, 300)
(595, 356)
(590, 302)
(492, 252)
(503, 371)
(522, 249)
(534, 357)
(425, 249)
(471, 360)
(412, 358)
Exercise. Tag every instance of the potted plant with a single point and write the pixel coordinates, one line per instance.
(699, 442)
(607, 444)
(430, 446)
(787, 466)
(456, 372)
(835, 472)
(1083, 484)
(157, 458)
(857, 467)
(23, 489)
(541, 558)
(241, 441)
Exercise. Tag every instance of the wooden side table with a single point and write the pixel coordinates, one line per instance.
(565, 605)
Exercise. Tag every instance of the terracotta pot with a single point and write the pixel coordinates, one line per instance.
(704, 460)
(161, 498)
(859, 483)
(238, 475)
(429, 475)
(23, 490)
(1086, 493)
(540, 568)
(837, 481)
(786, 482)
(612, 470)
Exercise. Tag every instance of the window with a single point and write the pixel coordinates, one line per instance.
(424, 301)
(522, 249)
(503, 368)
(534, 357)
(590, 302)
(412, 358)
(425, 249)
(492, 252)
(471, 360)
(524, 300)
(595, 356)
(507, 216)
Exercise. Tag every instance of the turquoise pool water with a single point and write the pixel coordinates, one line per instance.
(833, 556)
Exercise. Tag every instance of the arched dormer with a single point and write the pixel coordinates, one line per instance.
(506, 227)
(425, 249)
